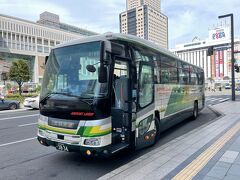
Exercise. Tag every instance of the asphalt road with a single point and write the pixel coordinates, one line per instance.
(215, 99)
(22, 157)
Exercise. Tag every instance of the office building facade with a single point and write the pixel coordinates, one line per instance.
(145, 21)
(156, 4)
(217, 66)
(30, 41)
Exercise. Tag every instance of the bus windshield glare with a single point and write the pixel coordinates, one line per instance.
(66, 72)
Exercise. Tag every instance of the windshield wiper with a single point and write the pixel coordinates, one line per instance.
(65, 94)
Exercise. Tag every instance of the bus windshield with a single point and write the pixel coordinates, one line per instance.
(66, 72)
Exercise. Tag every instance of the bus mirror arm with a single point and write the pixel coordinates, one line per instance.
(46, 59)
(102, 74)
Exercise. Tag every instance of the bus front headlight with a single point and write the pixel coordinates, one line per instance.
(92, 142)
(43, 119)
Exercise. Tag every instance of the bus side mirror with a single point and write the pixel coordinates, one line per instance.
(46, 59)
(102, 74)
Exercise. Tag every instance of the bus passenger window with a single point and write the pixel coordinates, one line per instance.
(193, 76)
(183, 73)
(146, 86)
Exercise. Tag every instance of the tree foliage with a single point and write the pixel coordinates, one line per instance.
(19, 72)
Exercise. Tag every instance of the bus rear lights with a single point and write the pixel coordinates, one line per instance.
(146, 137)
(92, 142)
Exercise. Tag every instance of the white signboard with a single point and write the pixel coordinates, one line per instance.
(218, 34)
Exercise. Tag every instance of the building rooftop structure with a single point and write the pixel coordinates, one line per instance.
(52, 20)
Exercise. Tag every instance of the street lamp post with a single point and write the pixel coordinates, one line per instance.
(232, 53)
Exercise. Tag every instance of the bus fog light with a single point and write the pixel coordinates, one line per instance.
(92, 142)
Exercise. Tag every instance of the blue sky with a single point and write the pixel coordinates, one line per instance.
(187, 19)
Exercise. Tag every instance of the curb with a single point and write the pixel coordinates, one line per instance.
(218, 113)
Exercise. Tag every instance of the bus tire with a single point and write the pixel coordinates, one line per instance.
(195, 111)
(132, 147)
(157, 124)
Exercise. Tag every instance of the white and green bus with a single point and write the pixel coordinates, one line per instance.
(105, 93)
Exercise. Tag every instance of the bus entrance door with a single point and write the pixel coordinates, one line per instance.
(120, 103)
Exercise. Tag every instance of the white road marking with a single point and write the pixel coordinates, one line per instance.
(17, 117)
(23, 125)
(226, 99)
(15, 142)
(16, 110)
(214, 99)
(209, 99)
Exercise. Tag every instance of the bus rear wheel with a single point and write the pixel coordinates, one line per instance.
(157, 125)
(195, 111)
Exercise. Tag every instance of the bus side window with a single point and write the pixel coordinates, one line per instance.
(168, 70)
(183, 71)
(146, 86)
(193, 76)
(201, 77)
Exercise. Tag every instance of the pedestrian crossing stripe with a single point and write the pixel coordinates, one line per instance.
(217, 99)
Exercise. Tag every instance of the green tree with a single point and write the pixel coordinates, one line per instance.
(19, 72)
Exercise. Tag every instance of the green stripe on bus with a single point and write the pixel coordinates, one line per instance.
(97, 134)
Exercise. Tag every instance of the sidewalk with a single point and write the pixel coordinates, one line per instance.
(210, 152)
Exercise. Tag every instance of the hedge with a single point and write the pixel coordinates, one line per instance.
(18, 97)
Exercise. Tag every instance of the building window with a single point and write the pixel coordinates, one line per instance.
(45, 42)
(39, 41)
(39, 48)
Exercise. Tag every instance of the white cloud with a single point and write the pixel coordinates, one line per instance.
(204, 14)
(186, 18)
(30, 10)
(180, 25)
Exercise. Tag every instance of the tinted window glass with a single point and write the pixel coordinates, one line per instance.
(146, 86)
(183, 73)
(168, 70)
(193, 76)
(201, 77)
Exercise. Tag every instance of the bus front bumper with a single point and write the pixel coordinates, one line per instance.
(89, 151)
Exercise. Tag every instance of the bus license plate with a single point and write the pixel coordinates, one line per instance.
(62, 147)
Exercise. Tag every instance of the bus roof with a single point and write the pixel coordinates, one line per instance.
(123, 37)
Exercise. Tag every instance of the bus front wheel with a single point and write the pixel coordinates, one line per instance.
(157, 125)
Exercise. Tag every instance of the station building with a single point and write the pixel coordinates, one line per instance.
(32, 41)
